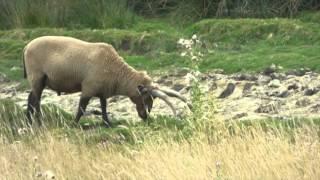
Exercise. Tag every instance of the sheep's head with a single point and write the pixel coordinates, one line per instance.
(143, 101)
(146, 95)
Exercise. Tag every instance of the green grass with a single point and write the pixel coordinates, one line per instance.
(253, 44)
(92, 131)
(230, 44)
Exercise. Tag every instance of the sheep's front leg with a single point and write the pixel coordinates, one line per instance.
(82, 107)
(103, 102)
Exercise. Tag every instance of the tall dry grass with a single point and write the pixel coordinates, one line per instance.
(207, 148)
(254, 155)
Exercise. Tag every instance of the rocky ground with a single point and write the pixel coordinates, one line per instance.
(269, 94)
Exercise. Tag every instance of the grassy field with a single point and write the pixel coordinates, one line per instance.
(230, 44)
(200, 146)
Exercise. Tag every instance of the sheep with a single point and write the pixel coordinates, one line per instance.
(69, 65)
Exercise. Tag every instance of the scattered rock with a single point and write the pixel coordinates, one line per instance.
(245, 77)
(279, 76)
(228, 91)
(315, 108)
(182, 71)
(212, 77)
(218, 71)
(298, 92)
(283, 94)
(263, 80)
(303, 102)
(274, 83)
(294, 86)
(271, 108)
(270, 69)
(178, 86)
(246, 89)
(299, 72)
(213, 86)
(278, 93)
(311, 91)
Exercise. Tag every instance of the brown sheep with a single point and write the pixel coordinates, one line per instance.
(69, 65)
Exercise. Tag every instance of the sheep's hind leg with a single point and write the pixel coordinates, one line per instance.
(103, 102)
(34, 99)
(82, 107)
(30, 108)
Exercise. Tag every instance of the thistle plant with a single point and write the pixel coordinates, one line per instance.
(192, 49)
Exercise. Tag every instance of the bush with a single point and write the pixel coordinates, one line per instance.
(123, 13)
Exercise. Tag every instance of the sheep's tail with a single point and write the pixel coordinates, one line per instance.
(24, 64)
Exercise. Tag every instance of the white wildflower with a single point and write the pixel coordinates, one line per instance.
(35, 158)
(197, 73)
(188, 42)
(49, 174)
(38, 174)
(181, 41)
(188, 46)
(194, 37)
(190, 78)
(218, 164)
(22, 131)
(183, 54)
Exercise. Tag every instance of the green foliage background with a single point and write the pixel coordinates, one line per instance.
(124, 13)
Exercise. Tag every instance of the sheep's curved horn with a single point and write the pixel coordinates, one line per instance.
(164, 97)
(176, 94)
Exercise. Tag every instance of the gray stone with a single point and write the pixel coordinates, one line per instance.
(299, 72)
(228, 91)
(245, 77)
(168, 82)
(315, 108)
(274, 83)
(311, 91)
(283, 94)
(270, 69)
(279, 76)
(247, 88)
(263, 80)
(182, 71)
(213, 86)
(218, 71)
(294, 86)
(178, 86)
